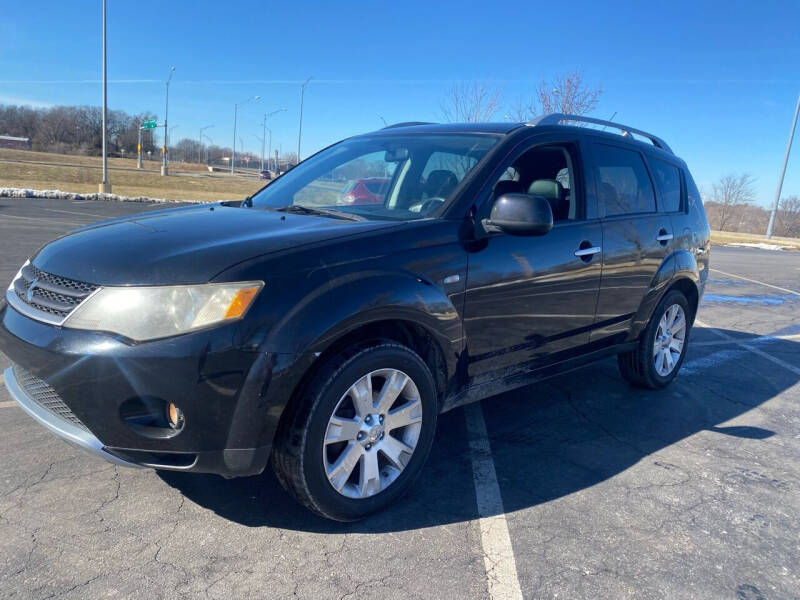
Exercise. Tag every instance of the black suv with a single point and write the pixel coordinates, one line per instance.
(327, 338)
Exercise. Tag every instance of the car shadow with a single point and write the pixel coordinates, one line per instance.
(548, 440)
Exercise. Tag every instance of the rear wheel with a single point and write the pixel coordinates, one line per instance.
(662, 346)
(360, 434)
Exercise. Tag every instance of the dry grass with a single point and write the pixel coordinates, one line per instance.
(41, 170)
(730, 237)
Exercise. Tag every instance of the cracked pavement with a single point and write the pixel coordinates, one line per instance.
(609, 492)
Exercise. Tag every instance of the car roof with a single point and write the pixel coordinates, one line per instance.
(417, 127)
(553, 122)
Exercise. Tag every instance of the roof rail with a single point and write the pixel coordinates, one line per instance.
(558, 118)
(407, 124)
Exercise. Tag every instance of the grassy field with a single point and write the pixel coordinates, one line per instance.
(728, 237)
(41, 170)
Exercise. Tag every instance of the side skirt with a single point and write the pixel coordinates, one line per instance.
(521, 379)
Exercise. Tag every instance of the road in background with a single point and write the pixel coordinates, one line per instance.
(606, 491)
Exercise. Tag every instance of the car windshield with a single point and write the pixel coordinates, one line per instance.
(398, 177)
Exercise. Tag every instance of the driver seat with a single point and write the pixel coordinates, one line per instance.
(553, 191)
(440, 183)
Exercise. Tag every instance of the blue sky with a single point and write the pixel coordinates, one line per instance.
(717, 80)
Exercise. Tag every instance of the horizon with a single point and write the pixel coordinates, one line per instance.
(656, 77)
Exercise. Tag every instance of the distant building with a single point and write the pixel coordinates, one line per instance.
(17, 143)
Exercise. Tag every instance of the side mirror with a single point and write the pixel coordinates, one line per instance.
(520, 214)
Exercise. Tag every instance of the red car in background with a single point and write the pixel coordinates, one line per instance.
(365, 191)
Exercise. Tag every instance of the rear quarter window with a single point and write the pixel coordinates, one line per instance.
(667, 178)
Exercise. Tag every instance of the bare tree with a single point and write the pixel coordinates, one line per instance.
(789, 217)
(567, 93)
(470, 102)
(731, 193)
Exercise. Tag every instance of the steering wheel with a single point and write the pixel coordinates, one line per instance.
(427, 205)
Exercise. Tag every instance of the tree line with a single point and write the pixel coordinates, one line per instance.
(731, 206)
(79, 130)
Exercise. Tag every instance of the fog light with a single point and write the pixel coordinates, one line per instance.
(174, 416)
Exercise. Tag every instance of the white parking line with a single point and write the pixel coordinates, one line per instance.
(751, 348)
(498, 554)
(8, 404)
(72, 212)
(769, 285)
(43, 220)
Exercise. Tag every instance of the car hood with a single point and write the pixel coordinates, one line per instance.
(185, 245)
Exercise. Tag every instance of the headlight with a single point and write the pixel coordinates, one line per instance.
(147, 313)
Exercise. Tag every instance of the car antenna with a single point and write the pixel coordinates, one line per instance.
(611, 119)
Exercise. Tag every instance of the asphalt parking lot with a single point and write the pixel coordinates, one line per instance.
(581, 487)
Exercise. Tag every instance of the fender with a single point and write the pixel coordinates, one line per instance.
(352, 300)
(681, 264)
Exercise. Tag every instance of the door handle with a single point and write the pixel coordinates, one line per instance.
(582, 252)
(663, 236)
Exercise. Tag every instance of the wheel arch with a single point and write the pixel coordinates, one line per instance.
(678, 271)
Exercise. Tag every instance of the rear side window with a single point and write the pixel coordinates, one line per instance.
(692, 193)
(668, 182)
(623, 185)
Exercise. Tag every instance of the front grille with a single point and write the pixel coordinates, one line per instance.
(51, 294)
(40, 392)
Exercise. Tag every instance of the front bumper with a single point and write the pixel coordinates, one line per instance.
(71, 434)
(231, 394)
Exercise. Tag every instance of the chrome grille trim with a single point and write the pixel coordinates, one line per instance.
(45, 396)
(53, 297)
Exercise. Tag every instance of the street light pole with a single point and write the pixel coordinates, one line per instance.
(783, 171)
(164, 159)
(264, 134)
(200, 139)
(235, 113)
(105, 186)
(300, 130)
(210, 141)
(269, 152)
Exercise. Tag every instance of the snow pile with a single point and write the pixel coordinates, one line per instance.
(59, 195)
(759, 245)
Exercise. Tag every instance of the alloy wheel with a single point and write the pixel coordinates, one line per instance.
(669, 341)
(372, 433)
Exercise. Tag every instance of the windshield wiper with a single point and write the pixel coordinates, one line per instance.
(327, 212)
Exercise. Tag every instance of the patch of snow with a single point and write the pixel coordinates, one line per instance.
(759, 245)
(59, 195)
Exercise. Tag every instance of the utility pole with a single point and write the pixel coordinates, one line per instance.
(164, 159)
(200, 139)
(300, 130)
(783, 171)
(235, 112)
(105, 186)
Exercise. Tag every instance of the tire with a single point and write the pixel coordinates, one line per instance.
(344, 462)
(648, 365)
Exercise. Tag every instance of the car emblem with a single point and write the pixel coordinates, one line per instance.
(29, 293)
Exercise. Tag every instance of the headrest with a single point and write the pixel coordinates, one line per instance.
(507, 186)
(441, 183)
(607, 193)
(549, 188)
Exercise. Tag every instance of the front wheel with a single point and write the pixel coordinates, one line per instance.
(360, 434)
(662, 346)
